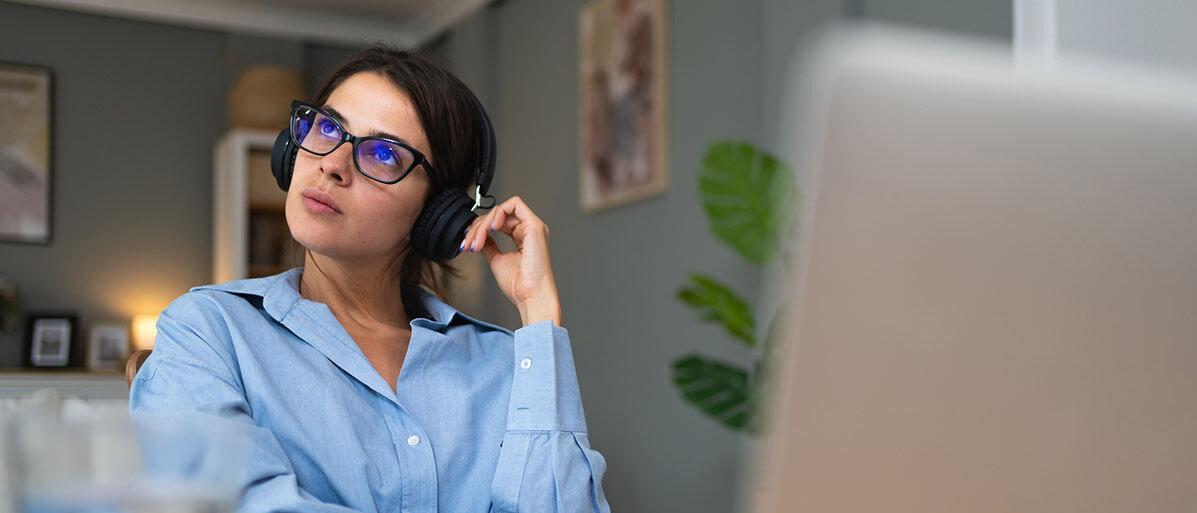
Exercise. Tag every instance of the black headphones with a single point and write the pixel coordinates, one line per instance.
(439, 230)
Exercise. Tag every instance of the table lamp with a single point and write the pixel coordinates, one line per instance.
(144, 331)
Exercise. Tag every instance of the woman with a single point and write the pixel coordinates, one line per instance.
(362, 390)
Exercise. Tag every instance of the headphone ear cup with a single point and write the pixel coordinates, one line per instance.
(438, 232)
(282, 159)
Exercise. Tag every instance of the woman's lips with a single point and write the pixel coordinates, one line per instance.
(319, 202)
(318, 207)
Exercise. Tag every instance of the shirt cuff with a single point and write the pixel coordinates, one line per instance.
(544, 391)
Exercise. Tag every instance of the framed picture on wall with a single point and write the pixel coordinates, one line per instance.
(26, 144)
(52, 341)
(622, 150)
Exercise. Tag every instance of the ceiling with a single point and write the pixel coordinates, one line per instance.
(344, 22)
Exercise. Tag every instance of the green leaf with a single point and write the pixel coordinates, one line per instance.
(717, 303)
(748, 197)
(718, 389)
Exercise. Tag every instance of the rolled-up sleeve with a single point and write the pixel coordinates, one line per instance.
(546, 463)
(192, 370)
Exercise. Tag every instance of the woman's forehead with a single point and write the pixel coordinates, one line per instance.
(370, 104)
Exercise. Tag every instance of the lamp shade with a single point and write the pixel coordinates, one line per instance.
(261, 96)
(144, 330)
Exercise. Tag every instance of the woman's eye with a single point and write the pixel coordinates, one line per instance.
(384, 155)
(328, 128)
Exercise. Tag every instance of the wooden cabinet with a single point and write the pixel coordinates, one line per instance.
(250, 237)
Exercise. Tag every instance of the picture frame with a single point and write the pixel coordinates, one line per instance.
(622, 86)
(107, 346)
(52, 341)
(26, 152)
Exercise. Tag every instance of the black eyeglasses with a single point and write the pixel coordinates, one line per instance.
(379, 158)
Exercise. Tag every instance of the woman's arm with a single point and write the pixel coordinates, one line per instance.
(545, 462)
(191, 371)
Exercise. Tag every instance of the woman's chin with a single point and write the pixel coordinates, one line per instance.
(320, 240)
(332, 246)
(339, 241)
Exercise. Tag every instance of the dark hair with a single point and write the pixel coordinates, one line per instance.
(450, 120)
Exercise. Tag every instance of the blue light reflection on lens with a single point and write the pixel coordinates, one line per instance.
(301, 129)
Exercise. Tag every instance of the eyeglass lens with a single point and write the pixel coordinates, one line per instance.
(377, 158)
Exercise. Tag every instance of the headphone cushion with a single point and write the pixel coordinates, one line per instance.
(282, 159)
(438, 232)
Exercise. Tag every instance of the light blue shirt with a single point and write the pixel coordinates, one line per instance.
(484, 419)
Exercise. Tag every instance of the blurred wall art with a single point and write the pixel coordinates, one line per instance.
(621, 137)
(26, 95)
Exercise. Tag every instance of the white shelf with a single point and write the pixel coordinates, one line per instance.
(84, 385)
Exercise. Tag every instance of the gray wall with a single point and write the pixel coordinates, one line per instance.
(986, 18)
(137, 107)
(617, 270)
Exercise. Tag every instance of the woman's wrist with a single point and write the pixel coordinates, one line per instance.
(540, 310)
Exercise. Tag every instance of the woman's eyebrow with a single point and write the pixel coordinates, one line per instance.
(373, 133)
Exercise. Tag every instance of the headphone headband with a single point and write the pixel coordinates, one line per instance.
(487, 150)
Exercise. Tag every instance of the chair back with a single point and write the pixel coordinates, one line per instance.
(134, 364)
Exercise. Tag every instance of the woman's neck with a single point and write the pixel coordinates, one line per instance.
(358, 294)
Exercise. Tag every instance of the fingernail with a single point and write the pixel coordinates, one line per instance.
(492, 228)
(461, 248)
(467, 230)
(471, 247)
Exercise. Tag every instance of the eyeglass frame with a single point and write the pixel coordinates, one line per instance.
(418, 160)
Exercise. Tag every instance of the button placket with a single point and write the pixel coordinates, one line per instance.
(416, 463)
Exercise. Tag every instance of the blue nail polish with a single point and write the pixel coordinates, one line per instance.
(467, 230)
(461, 248)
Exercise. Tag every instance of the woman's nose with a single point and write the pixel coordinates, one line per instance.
(339, 163)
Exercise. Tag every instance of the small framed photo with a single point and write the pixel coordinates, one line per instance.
(52, 341)
(108, 346)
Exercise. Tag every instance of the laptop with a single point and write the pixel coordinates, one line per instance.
(995, 294)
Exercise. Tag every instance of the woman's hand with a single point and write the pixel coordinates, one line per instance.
(524, 275)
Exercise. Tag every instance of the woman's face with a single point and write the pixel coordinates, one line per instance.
(371, 220)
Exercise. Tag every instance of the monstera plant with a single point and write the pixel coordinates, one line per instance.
(748, 196)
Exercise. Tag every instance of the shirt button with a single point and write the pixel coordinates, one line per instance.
(413, 440)
(525, 363)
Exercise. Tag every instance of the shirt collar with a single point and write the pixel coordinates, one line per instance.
(280, 294)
